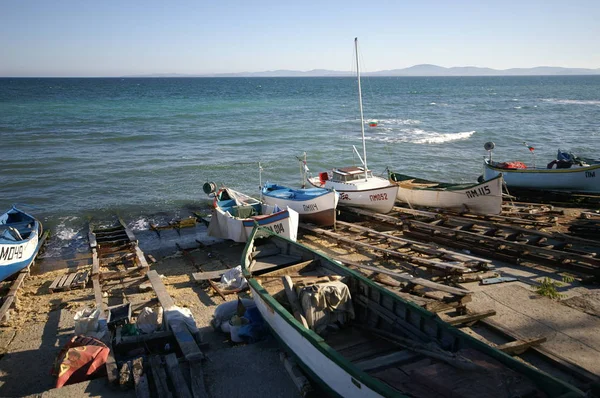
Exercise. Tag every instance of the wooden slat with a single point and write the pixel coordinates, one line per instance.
(197, 380)
(70, 280)
(161, 292)
(519, 346)
(405, 277)
(269, 262)
(208, 275)
(160, 377)
(409, 259)
(142, 390)
(383, 361)
(181, 387)
(463, 319)
(185, 340)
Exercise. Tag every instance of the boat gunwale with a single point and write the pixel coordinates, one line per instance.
(541, 170)
(541, 379)
(448, 188)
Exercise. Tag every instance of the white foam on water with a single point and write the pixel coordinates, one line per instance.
(139, 225)
(393, 122)
(63, 232)
(426, 137)
(571, 102)
(517, 107)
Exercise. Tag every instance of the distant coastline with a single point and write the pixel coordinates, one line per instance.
(425, 70)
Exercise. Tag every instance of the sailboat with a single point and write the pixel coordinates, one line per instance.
(356, 185)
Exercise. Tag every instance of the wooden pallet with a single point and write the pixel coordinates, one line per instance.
(72, 280)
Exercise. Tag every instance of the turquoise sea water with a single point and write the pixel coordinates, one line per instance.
(80, 148)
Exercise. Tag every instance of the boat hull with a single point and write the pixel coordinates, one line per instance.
(484, 198)
(341, 375)
(225, 226)
(309, 356)
(576, 179)
(318, 209)
(380, 199)
(18, 254)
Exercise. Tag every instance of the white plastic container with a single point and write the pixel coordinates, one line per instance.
(235, 329)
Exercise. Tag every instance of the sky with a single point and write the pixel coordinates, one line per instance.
(73, 38)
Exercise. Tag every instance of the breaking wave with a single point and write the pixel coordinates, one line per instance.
(419, 136)
(571, 102)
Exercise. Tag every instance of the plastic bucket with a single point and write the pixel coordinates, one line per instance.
(235, 329)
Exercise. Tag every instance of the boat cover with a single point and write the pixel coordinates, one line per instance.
(325, 304)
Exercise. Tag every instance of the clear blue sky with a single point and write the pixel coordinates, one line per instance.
(128, 37)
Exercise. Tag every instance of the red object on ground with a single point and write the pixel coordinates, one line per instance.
(512, 165)
(82, 358)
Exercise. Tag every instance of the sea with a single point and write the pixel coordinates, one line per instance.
(81, 149)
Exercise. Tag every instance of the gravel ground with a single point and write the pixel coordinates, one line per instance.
(43, 322)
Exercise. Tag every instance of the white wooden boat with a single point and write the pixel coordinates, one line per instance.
(19, 235)
(567, 176)
(357, 186)
(357, 339)
(313, 205)
(481, 198)
(234, 214)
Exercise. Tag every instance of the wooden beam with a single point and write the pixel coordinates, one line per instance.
(159, 376)
(410, 260)
(174, 371)
(161, 292)
(405, 277)
(197, 380)
(293, 300)
(518, 347)
(463, 319)
(384, 361)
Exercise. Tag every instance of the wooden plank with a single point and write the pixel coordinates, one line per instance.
(300, 381)
(185, 340)
(174, 371)
(405, 277)
(518, 347)
(463, 319)
(559, 361)
(208, 275)
(303, 266)
(197, 380)
(54, 284)
(161, 292)
(70, 280)
(159, 376)
(130, 234)
(61, 281)
(142, 390)
(141, 338)
(95, 262)
(384, 361)
(269, 262)
(409, 259)
(216, 289)
(104, 276)
(98, 296)
(293, 300)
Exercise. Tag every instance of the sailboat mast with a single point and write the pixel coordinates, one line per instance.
(360, 105)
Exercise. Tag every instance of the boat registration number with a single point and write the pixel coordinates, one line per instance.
(481, 191)
(277, 228)
(10, 253)
(378, 197)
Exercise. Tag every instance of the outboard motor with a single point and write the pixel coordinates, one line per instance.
(209, 188)
(489, 146)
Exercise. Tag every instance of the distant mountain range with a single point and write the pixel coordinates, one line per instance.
(417, 70)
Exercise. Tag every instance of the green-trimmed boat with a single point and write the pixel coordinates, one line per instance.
(357, 339)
